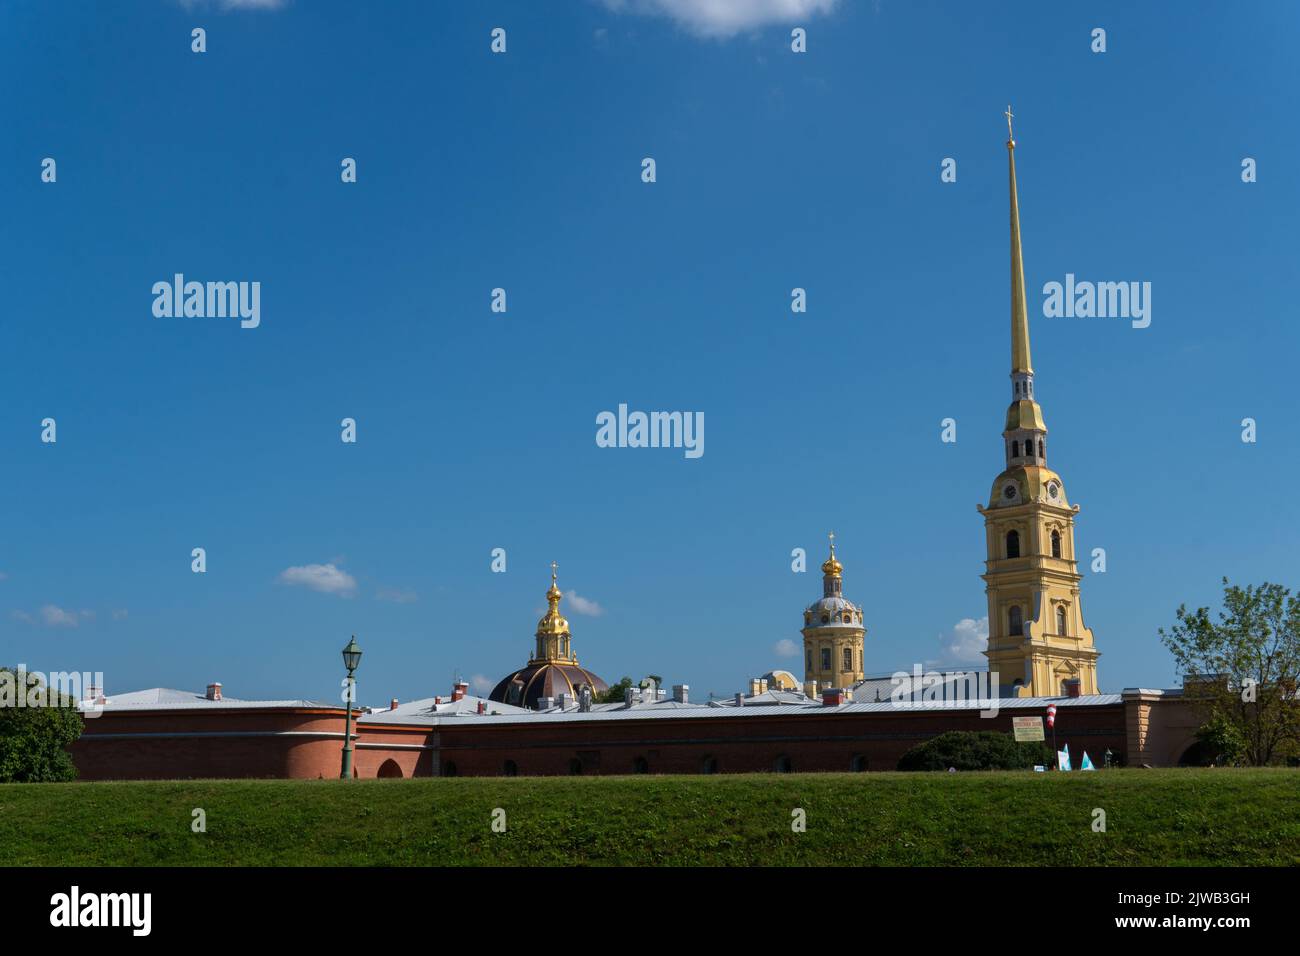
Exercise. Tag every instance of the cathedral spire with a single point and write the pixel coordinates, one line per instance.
(553, 639)
(1019, 310)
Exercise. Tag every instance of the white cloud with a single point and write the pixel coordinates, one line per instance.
(965, 642)
(326, 578)
(785, 648)
(52, 616)
(481, 684)
(724, 18)
(396, 596)
(582, 605)
(119, 614)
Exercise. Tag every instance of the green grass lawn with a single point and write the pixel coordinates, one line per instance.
(1153, 817)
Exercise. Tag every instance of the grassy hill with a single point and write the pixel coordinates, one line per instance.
(1153, 817)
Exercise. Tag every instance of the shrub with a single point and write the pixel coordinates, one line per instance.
(978, 750)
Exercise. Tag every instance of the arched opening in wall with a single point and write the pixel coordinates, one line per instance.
(1015, 449)
(640, 765)
(858, 764)
(709, 765)
(1056, 543)
(449, 768)
(389, 769)
(510, 769)
(782, 764)
(575, 767)
(1040, 449)
(1015, 621)
(1013, 544)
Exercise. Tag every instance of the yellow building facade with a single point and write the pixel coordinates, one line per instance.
(1037, 639)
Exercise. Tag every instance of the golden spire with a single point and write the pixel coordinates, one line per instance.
(553, 629)
(832, 568)
(1019, 310)
(554, 594)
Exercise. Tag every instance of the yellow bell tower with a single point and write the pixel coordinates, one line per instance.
(833, 633)
(1037, 639)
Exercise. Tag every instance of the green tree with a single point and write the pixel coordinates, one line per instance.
(1240, 670)
(616, 694)
(34, 739)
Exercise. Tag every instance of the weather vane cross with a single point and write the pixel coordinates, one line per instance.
(1009, 115)
(832, 537)
(554, 567)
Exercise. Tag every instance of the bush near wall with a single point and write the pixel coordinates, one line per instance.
(975, 750)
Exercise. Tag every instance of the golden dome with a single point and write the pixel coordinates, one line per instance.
(553, 622)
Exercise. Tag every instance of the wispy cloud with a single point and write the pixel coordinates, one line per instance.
(227, 5)
(581, 605)
(481, 684)
(785, 648)
(724, 18)
(52, 616)
(325, 578)
(396, 596)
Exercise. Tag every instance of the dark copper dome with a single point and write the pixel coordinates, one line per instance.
(545, 679)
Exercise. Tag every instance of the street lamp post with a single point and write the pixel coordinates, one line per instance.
(351, 660)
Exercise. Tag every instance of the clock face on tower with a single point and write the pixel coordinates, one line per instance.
(1053, 490)
(1009, 492)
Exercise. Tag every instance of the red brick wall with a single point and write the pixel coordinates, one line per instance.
(307, 744)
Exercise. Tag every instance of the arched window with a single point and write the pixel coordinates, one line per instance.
(709, 765)
(858, 764)
(826, 618)
(510, 769)
(848, 659)
(1056, 543)
(1016, 621)
(640, 765)
(826, 658)
(449, 769)
(389, 768)
(1060, 620)
(810, 663)
(1040, 449)
(782, 764)
(1013, 544)
(1015, 449)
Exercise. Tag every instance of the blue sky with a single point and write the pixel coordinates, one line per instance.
(476, 430)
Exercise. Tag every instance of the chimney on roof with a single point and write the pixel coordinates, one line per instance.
(682, 693)
(810, 688)
(545, 703)
(565, 701)
(459, 690)
(832, 697)
(1072, 687)
(95, 694)
(214, 692)
(740, 699)
(482, 707)
(392, 704)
